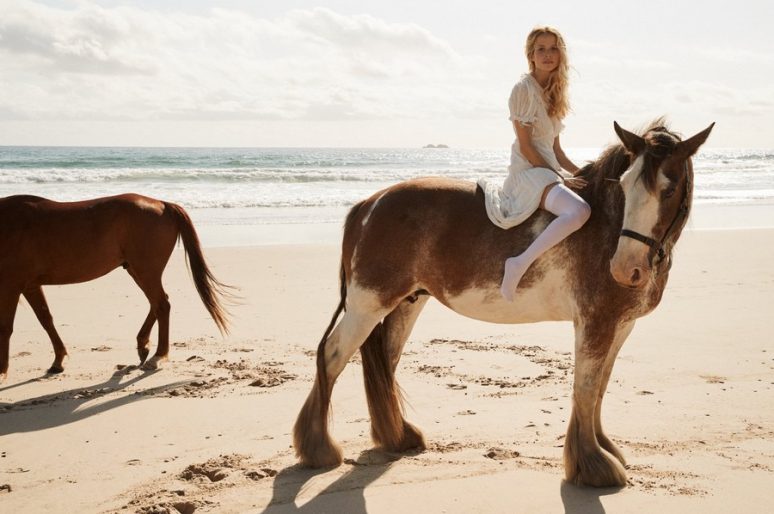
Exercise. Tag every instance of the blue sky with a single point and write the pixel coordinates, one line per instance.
(368, 73)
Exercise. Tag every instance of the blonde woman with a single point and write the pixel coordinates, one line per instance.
(539, 168)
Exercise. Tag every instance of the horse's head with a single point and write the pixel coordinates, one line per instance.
(657, 187)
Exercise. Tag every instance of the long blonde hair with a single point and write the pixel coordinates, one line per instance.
(555, 91)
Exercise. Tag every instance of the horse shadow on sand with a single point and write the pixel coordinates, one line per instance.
(65, 407)
(584, 500)
(345, 494)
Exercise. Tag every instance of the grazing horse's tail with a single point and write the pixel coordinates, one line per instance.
(210, 289)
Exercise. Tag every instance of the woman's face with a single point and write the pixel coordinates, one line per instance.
(545, 55)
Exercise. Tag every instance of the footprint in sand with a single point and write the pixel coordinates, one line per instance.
(496, 453)
(714, 379)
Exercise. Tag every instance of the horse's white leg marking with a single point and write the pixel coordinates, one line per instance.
(399, 325)
(586, 463)
(620, 337)
(363, 312)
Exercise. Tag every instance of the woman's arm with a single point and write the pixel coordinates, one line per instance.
(566, 163)
(524, 135)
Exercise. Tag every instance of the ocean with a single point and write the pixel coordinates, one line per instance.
(299, 186)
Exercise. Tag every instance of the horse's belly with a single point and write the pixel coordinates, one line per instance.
(68, 275)
(547, 300)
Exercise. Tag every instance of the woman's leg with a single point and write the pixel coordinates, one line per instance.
(571, 213)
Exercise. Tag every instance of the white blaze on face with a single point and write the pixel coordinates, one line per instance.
(640, 215)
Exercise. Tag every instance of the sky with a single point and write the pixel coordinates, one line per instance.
(368, 73)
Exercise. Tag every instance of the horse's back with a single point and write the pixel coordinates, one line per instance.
(66, 242)
(432, 234)
(9, 204)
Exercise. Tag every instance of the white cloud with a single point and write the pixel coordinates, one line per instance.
(126, 63)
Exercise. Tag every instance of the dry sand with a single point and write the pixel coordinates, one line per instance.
(691, 402)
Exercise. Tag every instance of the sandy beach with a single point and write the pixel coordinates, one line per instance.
(691, 401)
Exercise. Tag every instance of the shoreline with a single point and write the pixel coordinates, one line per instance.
(325, 225)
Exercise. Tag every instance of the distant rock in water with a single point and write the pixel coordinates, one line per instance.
(435, 146)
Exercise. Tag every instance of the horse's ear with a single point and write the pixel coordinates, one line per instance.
(688, 147)
(632, 142)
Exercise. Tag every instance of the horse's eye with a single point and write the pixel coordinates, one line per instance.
(670, 191)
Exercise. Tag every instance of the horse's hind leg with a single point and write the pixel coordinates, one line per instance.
(620, 336)
(143, 336)
(313, 444)
(585, 461)
(37, 301)
(381, 354)
(150, 283)
(8, 303)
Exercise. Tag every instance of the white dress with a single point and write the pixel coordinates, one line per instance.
(519, 196)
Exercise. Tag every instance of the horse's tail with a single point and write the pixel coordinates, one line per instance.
(211, 290)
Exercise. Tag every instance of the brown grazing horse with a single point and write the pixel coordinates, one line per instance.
(431, 237)
(43, 242)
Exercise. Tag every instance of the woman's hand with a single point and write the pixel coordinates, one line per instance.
(575, 182)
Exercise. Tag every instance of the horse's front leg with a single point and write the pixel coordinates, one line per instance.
(37, 301)
(620, 336)
(585, 461)
(8, 303)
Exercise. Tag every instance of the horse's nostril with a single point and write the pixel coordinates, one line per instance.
(636, 276)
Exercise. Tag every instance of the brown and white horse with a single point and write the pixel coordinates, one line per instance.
(431, 237)
(43, 242)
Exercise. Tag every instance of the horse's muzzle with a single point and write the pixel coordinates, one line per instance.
(630, 273)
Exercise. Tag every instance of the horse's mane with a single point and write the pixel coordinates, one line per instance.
(615, 159)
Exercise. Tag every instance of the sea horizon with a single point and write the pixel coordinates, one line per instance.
(281, 191)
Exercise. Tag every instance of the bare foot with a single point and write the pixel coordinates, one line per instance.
(514, 270)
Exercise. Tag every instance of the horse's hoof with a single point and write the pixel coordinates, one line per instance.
(55, 369)
(611, 448)
(317, 451)
(3, 376)
(154, 363)
(412, 440)
(323, 457)
(143, 354)
(598, 469)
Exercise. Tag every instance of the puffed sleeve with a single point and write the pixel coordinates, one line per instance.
(523, 105)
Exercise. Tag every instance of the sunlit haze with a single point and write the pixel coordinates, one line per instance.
(372, 74)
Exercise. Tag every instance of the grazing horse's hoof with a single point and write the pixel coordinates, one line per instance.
(3, 376)
(57, 366)
(154, 363)
(143, 352)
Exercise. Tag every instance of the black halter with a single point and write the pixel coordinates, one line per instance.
(658, 246)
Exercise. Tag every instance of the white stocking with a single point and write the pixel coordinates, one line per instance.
(571, 213)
